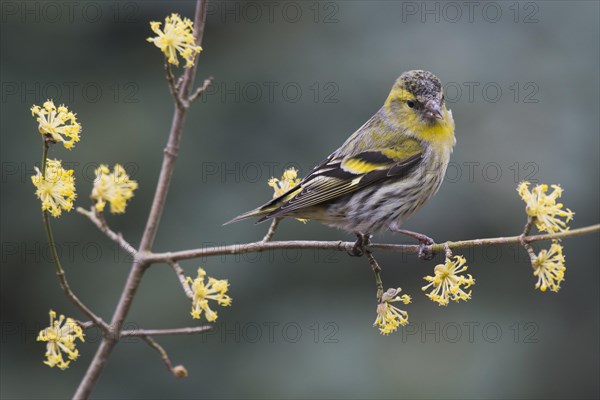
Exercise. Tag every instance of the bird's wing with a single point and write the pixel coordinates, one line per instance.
(340, 175)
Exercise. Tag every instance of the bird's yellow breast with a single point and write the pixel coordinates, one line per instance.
(440, 135)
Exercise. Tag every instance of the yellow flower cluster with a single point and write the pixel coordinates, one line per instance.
(549, 267)
(56, 189)
(447, 282)
(59, 124)
(389, 317)
(215, 289)
(176, 37)
(288, 180)
(60, 339)
(113, 187)
(543, 207)
(548, 215)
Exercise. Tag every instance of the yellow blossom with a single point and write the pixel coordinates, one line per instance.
(389, 317)
(59, 124)
(288, 180)
(447, 282)
(543, 207)
(177, 37)
(214, 290)
(56, 190)
(549, 267)
(114, 187)
(60, 339)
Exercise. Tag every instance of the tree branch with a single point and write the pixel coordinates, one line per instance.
(139, 264)
(377, 271)
(256, 247)
(201, 89)
(179, 371)
(174, 87)
(182, 278)
(272, 229)
(101, 224)
(64, 284)
(60, 272)
(163, 332)
(172, 147)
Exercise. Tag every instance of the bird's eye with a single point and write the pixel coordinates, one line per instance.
(410, 104)
(443, 98)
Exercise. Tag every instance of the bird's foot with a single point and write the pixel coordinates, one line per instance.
(425, 253)
(362, 241)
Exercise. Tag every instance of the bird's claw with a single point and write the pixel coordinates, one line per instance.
(358, 250)
(425, 253)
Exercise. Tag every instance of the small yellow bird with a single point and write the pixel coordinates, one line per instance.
(384, 172)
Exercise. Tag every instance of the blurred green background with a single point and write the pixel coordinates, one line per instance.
(292, 81)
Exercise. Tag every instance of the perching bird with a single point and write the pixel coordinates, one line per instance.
(384, 172)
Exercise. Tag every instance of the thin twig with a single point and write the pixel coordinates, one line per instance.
(173, 87)
(64, 284)
(163, 332)
(447, 251)
(153, 332)
(60, 273)
(85, 324)
(182, 278)
(526, 245)
(201, 89)
(172, 148)
(377, 271)
(178, 371)
(271, 231)
(101, 224)
(158, 203)
(256, 247)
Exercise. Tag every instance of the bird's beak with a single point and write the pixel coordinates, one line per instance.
(433, 110)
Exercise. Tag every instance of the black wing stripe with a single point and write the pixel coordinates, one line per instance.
(338, 173)
(374, 157)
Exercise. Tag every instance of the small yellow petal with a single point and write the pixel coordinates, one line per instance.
(57, 125)
(549, 267)
(60, 338)
(547, 214)
(115, 188)
(214, 289)
(177, 36)
(288, 180)
(56, 189)
(390, 318)
(447, 284)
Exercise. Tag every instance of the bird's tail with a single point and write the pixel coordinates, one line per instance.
(267, 210)
(257, 212)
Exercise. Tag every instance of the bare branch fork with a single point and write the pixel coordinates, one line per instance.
(181, 93)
